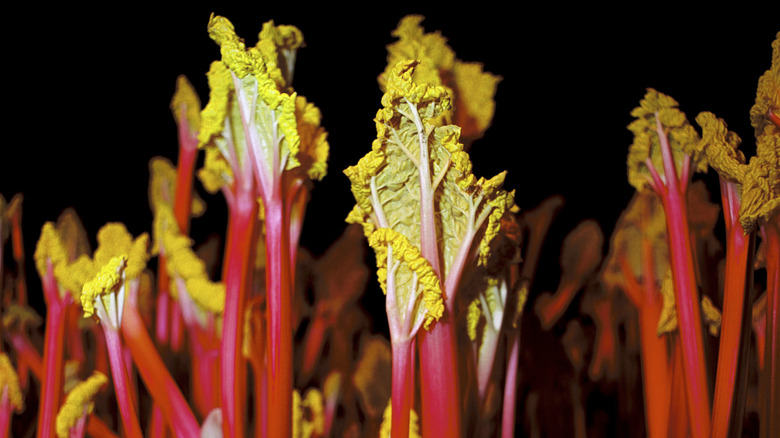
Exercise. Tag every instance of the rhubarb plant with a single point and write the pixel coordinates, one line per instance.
(262, 140)
(656, 162)
(471, 89)
(430, 221)
(751, 200)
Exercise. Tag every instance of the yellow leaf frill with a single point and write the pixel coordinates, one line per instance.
(50, 249)
(78, 403)
(308, 414)
(387, 423)
(411, 263)
(9, 381)
(758, 179)
(104, 295)
(768, 96)
(388, 181)
(186, 104)
(162, 186)
(253, 115)
(473, 89)
(646, 143)
(114, 240)
(182, 263)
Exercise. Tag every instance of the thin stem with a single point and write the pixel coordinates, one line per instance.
(124, 396)
(678, 402)
(510, 385)
(280, 327)
(402, 387)
(728, 405)
(686, 294)
(188, 152)
(485, 357)
(237, 273)
(51, 391)
(438, 347)
(155, 375)
(655, 357)
(96, 427)
(439, 378)
(27, 356)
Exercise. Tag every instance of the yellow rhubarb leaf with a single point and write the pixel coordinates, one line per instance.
(473, 318)
(162, 186)
(308, 414)
(74, 235)
(279, 46)
(473, 90)
(114, 240)
(643, 219)
(182, 263)
(373, 375)
(413, 276)
(9, 382)
(250, 115)
(51, 248)
(767, 104)
(186, 104)
(387, 181)
(78, 403)
(387, 422)
(314, 147)
(658, 106)
(104, 294)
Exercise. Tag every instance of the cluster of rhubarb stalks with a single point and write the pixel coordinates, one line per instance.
(159, 336)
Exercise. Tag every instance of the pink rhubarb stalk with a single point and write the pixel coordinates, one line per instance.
(155, 375)
(51, 391)
(280, 326)
(124, 395)
(238, 262)
(438, 346)
(672, 193)
(731, 383)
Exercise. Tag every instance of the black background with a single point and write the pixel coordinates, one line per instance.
(87, 95)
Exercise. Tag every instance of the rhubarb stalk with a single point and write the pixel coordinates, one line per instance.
(731, 379)
(658, 127)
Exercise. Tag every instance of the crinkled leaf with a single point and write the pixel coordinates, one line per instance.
(473, 89)
(647, 144)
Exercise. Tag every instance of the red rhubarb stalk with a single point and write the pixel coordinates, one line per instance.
(279, 289)
(771, 384)
(243, 216)
(51, 383)
(188, 153)
(402, 388)
(678, 426)
(96, 427)
(155, 375)
(729, 398)
(438, 346)
(655, 362)
(124, 396)
(686, 294)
